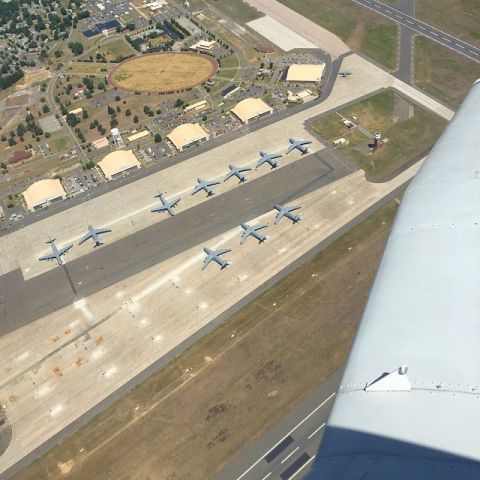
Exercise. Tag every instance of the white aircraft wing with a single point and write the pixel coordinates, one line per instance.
(50, 256)
(64, 249)
(85, 238)
(420, 326)
(290, 148)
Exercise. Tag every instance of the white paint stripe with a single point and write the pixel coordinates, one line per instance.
(446, 39)
(267, 475)
(458, 45)
(433, 33)
(409, 21)
(302, 467)
(423, 28)
(316, 431)
(285, 436)
(288, 456)
(398, 16)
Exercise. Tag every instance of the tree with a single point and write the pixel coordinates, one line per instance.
(179, 102)
(158, 138)
(113, 122)
(45, 108)
(130, 26)
(117, 98)
(110, 110)
(204, 118)
(128, 112)
(76, 48)
(135, 119)
(146, 109)
(84, 114)
(72, 119)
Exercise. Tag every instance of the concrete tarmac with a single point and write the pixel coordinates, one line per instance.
(111, 263)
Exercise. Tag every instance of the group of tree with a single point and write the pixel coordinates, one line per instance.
(9, 79)
(76, 48)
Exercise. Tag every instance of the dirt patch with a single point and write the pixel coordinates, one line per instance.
(33, 76)
(165, 72)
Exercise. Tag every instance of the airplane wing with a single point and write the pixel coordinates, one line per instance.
(50, 256)
(197, 189)
(85, 238)
(276, 155)
(103, 230)
(229, 175)
(64, 249)
(279, 216)
(294, 207)
(245, 235)
(222, 251)
(290, 148)
(161, 208)
(207, 261)
(305, 142)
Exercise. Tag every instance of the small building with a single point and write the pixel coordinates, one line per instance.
(138, 135)
(19, 156)
(229, 91)
(196, 107)
(100, 143)
(118, 163)
(117, 137)
(78, 91)
(305, 73)
(76, 111)
(251, 109)
(187, 135)
(204, 45)
(303, 96)
(42, 193)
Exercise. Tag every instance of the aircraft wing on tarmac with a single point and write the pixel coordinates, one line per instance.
(408, 406)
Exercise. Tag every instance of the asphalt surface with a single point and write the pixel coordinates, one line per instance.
(405, 58)
(111, 263)
(423, 28)
(287, 449)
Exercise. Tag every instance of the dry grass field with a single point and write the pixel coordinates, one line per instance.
(244, 376)
(162, 72)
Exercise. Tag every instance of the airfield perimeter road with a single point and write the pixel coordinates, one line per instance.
(113, 262)
(287, 448)
(423, 28)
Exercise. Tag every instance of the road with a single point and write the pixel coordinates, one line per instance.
(290, 445)
(113, 262)
(423, 28)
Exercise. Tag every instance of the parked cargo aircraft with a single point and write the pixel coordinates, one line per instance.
(94, 233)
(253, 231)
(56, 252)
(299, 145)
(237, 171)
(166, 205)
(215, 256)
(204, 185)
(286, 212)
(268, 158)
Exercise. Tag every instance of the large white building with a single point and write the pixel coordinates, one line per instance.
(118, 163)
(43, 193)
(251, 109)
(305, 73)
(186, 135)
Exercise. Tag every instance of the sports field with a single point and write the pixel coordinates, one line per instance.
(163, 72)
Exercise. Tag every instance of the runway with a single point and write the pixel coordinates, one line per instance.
(422, 28)
(114, 262)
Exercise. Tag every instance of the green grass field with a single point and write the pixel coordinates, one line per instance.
(457, 17)
(358, 27)
(406, 138)
(239, 11)
(443, 73)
